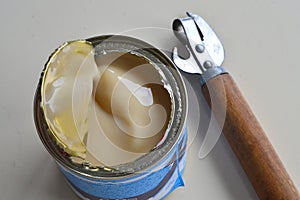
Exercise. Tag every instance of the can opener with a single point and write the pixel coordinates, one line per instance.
(239, 125)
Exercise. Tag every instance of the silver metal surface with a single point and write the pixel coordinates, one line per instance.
(200, 48)
(208, 64)
(189, 65)
(211, 73)
(203, 45)
(210, 39)
(186, 28)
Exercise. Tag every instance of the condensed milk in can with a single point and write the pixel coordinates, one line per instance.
(111, 111)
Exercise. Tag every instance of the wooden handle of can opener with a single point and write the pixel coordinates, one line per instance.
(248, 141)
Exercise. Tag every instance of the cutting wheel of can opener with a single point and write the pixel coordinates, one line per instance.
(239, 125)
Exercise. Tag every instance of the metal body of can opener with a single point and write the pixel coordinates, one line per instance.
(239, 125)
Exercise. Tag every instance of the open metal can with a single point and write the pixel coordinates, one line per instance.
(154, 174)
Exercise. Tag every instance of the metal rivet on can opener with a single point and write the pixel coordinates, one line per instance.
(200, 48)
(208, 64)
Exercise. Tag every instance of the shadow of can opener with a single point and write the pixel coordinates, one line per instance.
(239, 125)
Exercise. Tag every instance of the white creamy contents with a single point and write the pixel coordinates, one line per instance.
(106, 110)
(132, 108)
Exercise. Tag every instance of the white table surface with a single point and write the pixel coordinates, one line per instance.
(262, 42)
